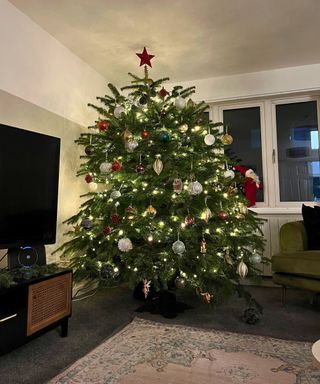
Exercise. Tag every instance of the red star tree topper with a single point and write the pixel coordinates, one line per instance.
(145, 58)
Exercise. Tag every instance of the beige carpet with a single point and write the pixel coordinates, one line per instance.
(149, 352)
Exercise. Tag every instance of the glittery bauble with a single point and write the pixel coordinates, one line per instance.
(106, 230)
(86, 224)
(131, 145)
(209, 139)
(125, 244)
(127, 135)
(195, 188)
(229, 174)
(145, 134)
(206, 214)
(163, 92)
(164, 136)
(255, 258)
(115, 218)
(183, 128)
(178, 247)
(92, 186)
(118, 111)
(105, 167)
(177, 186)
(180, 282)
(88, 178)
(89, 150)
(115, 195)
(242, 269)
(180, 103)
(151, 210)
(140, 168)
(116, 166)
(158, 166)
(189, 220)
(103, 125)
(143, 100)
(223, 215)
(227, 139)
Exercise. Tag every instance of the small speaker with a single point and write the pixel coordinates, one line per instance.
(26, 257)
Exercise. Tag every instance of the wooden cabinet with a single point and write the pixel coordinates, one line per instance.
(34, 306)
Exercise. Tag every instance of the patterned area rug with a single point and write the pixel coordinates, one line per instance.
(150, 352)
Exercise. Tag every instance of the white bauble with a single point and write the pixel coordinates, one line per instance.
(125, 244)
(92, 186)
(180, 103)
(183, 128)
(229, 174)
(115, 195)
(118, 111)
(242, 269)
(195, 188)
(255, 259)
(105, 167)
(209, 139)
(131, 145)
(178, 247)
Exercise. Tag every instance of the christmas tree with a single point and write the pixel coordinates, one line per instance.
(164, 204)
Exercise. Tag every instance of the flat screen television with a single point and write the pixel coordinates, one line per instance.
(29, 176)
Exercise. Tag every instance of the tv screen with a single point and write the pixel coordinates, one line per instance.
(29, 175)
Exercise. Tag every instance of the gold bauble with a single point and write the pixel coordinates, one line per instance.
(151, 210)
(158, 166)
(206, 214)
(227, 139)
(127, 135)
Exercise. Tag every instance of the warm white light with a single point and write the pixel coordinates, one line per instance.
(150, 238)
(120, 232)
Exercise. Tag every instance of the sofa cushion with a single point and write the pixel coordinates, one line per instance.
(311, 218)
(297, 281)
(305, 263)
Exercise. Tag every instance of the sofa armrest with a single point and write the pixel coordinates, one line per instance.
(293, 237)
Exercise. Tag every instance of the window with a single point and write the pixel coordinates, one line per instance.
(279, 140)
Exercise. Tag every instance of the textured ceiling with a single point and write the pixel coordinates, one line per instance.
(190, 39)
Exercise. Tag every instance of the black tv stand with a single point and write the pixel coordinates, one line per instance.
(34, 306)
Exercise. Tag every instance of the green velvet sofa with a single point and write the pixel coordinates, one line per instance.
(295, 265)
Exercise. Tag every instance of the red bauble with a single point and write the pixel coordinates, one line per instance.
(223, 215)
(189, 220)
(116, 166)
(107, 230)
(103, 125)
(145, 134)
(115, 218)
(88, 178)
(163, 92)
(140, 168)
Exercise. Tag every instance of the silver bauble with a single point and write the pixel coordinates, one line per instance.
(255, 258)
(242, 269)
(125, 244)
(105, 167)
(118, 111)
(178, 247)
(209, 139)
(115, 195)
(195, 188)
(229, 174)
(180, 103)
(131, 145)
(93, 186)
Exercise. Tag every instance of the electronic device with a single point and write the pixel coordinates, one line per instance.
(29, 174)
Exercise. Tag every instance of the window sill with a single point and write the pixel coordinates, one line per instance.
(277, 210)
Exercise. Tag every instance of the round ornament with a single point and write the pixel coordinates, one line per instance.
(118, 111)
(103, 125)
(163, 92)
(86, 224)
(116, 166)
(143, 100)
(151, 210)
(127, 135)
(243, 209)
(131, 213)
(189, 220)
(195, 188)
(131, 145)
(88, 178)
(209, 139)
(153, 92)
(223, 215)
(106, 230)
(115, 218)
(251, 316)
(183, 128)
(227, 139)
(140, 168)
(92, 186)
(158, 165)
(255, 258)
(115, 195)
(178, 247)
(177, 186)
(89, 150)
(125, 244)
(105, 167)
(164, 136)
(109, 274)
(242, 269)
(180, 103)
(180, 282)
(229, 174)
(206, 214)
(145, 134)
